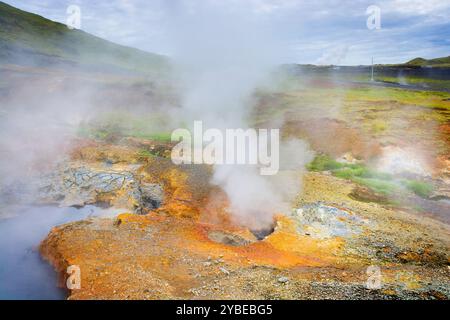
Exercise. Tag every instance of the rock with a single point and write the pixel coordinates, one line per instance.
(348, 158)
(283, 279)
(228, 238)
(322, 222)
(261, 234)
(441, 191)
(152, 195)
(364, 194)
(77, 186)
(225, 271)
(73, 185)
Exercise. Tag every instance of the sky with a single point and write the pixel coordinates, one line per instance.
(306, 31)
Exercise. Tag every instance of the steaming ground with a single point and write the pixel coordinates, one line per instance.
(42, 118)
(222, 65)
(364, 177)
(103, 133)
(188, 248)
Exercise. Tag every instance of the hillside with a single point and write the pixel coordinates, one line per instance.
(29, 39)
(438, 62)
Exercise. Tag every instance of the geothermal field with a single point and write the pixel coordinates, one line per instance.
(100, 198)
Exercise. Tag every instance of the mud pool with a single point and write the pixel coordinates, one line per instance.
(23, 273)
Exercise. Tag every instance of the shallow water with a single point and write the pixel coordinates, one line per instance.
(23, 274)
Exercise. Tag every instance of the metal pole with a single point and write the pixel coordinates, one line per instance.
(372, 71)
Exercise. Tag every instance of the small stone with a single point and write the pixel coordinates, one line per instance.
(225, 271)
(152, 195)
(207, 264)
(283, 279)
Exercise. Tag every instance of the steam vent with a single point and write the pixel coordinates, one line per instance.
(189, 246)
(224, 150)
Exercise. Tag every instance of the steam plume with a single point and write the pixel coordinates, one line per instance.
(224, 56)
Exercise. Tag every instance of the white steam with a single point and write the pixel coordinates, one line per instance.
(224, 55)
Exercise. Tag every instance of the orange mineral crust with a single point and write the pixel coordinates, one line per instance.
(164, 253)
(190, 247)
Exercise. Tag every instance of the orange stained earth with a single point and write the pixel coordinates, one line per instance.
(169, 252)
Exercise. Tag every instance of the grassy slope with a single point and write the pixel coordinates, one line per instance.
(36, 38)
(438, 62)
(379, 182)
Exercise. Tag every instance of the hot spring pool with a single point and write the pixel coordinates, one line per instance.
(23, 273)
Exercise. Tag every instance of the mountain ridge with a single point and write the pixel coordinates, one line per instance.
(27, 38)
(437, 62)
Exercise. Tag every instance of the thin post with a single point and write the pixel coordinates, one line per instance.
(372, 71)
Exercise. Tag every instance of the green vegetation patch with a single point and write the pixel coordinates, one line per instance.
(379, 182)
(383, 187)
(420, 188)
(324, 163)
(145, 154)
(430, 99)
(114, 125)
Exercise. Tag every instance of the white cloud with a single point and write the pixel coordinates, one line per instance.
(309, 31)
(417, 7)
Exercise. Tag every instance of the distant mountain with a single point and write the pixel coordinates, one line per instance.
(421, 62)
(29, 39)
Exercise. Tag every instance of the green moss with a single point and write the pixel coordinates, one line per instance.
(323, 163)
(349, 173)
(104, 131)
(380, 182)
(421, 81)
(431, 99)
(145, 154)
(377, 181)
(379, 126)
(122, 124)
(422, 189)
(345, 170)
(159, 136)
(380, 186)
